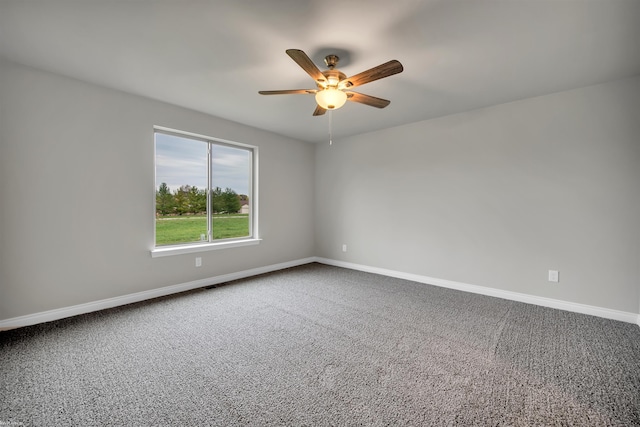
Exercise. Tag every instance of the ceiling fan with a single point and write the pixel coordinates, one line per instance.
(334, 87)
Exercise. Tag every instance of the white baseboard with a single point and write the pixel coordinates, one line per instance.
(61, 313)
(606, 313)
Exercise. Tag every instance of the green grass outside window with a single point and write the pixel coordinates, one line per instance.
(172, 230)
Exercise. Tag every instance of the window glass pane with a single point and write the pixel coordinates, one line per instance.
(231, 191)
(181, 190)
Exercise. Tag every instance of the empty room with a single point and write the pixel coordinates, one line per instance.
(320, 213)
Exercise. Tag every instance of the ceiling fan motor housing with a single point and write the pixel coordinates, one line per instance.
(333, 78)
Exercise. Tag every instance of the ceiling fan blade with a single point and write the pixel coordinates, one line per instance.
(307, 64)
(287, 92)
(319, 111)
(384, 70)
(367, 99)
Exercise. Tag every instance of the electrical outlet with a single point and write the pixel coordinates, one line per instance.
(198, 261)
(344, 248)
(554, 276)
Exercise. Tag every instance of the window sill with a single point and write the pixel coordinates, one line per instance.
(188, 249)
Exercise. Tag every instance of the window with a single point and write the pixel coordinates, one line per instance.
(205, 195)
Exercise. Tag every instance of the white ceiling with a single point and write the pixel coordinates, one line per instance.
(214, 56)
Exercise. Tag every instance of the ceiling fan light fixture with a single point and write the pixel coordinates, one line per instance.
(331, 98)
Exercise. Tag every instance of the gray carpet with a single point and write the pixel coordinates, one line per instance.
(318, 346)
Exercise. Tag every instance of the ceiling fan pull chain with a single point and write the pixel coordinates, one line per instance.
(330, 129)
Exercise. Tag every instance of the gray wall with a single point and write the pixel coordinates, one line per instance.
(496, 197)
(77, 194)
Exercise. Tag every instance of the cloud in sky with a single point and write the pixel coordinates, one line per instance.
(182, 161)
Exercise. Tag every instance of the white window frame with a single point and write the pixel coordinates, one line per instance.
(194, 247)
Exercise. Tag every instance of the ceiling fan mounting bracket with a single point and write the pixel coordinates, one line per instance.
(331, 61)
